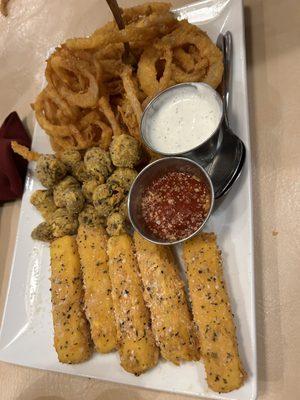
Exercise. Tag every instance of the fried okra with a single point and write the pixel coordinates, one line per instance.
(63, 223)
(98, 162)
(43, 232)
(115, 224)
(89, 216)
(43, 201)
(125, 151)
(123, 177)
(106, 197)
(49, 170)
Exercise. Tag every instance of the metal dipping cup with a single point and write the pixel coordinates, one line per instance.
(151, 172)
(204, 151)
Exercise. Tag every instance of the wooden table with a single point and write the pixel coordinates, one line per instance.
(273, 56)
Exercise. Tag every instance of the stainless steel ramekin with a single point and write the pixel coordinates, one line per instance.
(205, 150)
(151, 172)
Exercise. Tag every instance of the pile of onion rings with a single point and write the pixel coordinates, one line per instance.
(91, 95)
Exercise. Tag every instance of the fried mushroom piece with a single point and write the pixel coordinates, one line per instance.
(60, 190)
(79, 172)
(89, 216)
(43, 232)
(115, 224)
(106, 197)
(98, 162)
(68, 194)
(44, 203)
(123, 208)
(63, 223)
(49, 170)
(125, 151)
(123, 177)
(89, 186)
(70, 158)
(74, 201)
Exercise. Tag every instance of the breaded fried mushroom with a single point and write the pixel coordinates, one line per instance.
(70, 158)
(63, 223)
(123, 177)
(125, 151)
(89, 186)
(59, 191)
(68, 194)
(43, 201)
(115, 224)
(74, 201)
(98, 162)
(90, 217)
(43, 232)
(123, 208)
(49, 170)
(79, 172)
(106, 197)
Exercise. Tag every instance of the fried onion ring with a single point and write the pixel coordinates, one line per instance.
(131, 93)
(147, 72)
(133, 14)
(105, 107)
(84, 98)
(128, 118)
(147, 29)
(92, 95)
(208, 66)
(51, 128)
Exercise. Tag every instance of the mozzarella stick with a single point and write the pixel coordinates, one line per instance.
(164, 293)
(137, 348)
(92, 246)
(212, 313)
(71, 329)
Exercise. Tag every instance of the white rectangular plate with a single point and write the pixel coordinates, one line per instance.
(27, 333)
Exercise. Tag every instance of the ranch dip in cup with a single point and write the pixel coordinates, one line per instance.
(182, 118)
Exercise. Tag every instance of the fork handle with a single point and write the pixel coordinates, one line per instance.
(115, 9)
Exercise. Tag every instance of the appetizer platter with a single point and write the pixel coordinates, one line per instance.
(127, 268)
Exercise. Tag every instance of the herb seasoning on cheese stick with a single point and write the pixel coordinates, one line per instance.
(212, 313)
(164, 293)
(71, 329)
(92, 246)
(137, 348)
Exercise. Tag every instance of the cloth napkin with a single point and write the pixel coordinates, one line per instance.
(12, 166)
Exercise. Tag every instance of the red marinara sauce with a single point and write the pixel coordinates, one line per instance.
(175, 205)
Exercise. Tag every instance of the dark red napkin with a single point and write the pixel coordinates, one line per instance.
(12, 166)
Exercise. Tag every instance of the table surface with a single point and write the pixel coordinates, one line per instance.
(273, 59)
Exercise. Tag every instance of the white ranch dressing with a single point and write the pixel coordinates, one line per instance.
(183, 119)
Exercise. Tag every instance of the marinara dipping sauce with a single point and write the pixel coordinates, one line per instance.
(175, 205)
